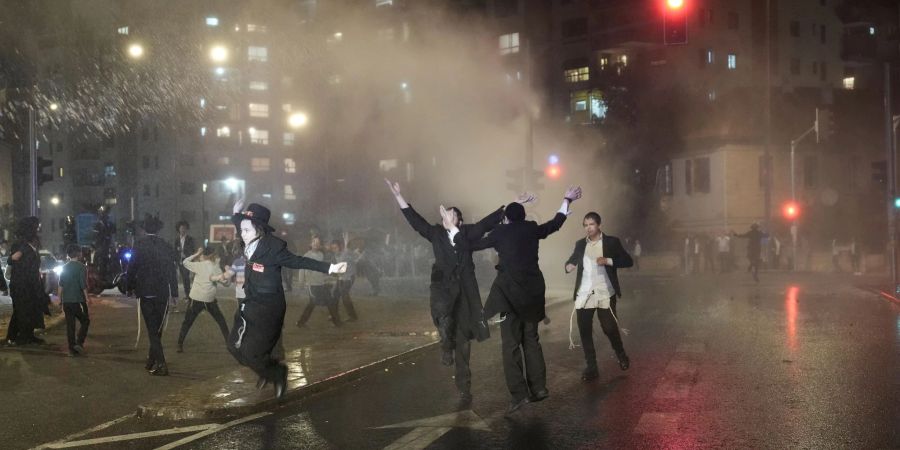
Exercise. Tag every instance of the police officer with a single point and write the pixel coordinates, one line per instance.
(260, 316)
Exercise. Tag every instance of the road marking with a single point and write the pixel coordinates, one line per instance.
(133, 436)
(79, 434)
(426, 431)
(212, 431)
(658, 423)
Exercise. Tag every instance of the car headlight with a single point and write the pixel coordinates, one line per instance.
(57, 270)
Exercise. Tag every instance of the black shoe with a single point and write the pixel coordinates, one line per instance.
(539, 396)
(465, 397)
(149, 365)
(624, 362)
(281, 383)
(591, 373)
(179, 349)
(447, 357)
(261, 383)
(72, 353)
(78, 349)
(36, 340)
(515, 405)
(161, 370)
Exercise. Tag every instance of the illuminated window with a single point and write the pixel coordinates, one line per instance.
(289, 218)
(290, 166)
(732, 61)
(849, 83)
(223, 131)
(623, 60)
(123, 31)
(260, 54)
(289, 192)
(212, 21)
(581, 105)
(260, 137)
(509, 43)
(259, 86)
(202, 131)
(259, 164)
(259, 110)
(710, 56)
(604, 61)
(254, 28)
(379, 3)
(577, 74)
(61, 172)
(288, 138)
(871, 31)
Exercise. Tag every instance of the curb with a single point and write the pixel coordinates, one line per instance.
(291, 396)
(296, 394)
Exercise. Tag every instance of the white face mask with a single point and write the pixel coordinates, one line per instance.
(248, 231)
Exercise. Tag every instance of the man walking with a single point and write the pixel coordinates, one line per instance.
(597, 259)
(152, 278)
(754, 249)
(518, 295)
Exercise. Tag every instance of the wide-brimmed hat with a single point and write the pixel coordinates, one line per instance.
(259, 215)
(151, 224)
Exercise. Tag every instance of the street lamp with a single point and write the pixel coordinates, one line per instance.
(54, 106)
(54, 200)
(218, 53)
(136, 51)
(298, 120)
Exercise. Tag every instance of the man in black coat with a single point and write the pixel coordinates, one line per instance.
(597, 290)
(260, 316)
(518, 295)
(152, 278)
(26, 289)
(185, 246)
(754, 249)
(455, 299)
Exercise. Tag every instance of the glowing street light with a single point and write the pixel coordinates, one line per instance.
(298, 120)
(54, 106)
(54, 200)
(136, 51)
(218, 53)
(232, 184)
(675, 4)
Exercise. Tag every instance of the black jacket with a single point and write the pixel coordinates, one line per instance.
(613, 249)
(152, 269)
(453, 272)
(263, 271)
(519, 286)
(189, 248)
(25, 287)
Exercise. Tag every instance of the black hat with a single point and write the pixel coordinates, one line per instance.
(515, 212)
(151, 224)
(27, 228)
(259, 215)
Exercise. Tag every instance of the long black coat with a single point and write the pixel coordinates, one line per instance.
(25, 287)
(519, 287)
(152, 269)
(453, 272)
(613, 249)
(263, 272)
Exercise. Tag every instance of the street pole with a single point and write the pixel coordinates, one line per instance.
(32, 164)
(527, 167)
(796, 225)
(891, 173)
(203, 211)
(767, 158)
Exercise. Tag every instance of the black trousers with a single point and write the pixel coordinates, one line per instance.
(154, 311)
(607, 323)
(79, 312)
(523, 358)
(320, 295)
(342, 293)
(256, 330)
(185, 280)
(194, 310)
(463, 352)
(287, 277)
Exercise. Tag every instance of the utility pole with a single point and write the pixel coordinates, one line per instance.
(767, 153)
(891, 159)
(32, 164)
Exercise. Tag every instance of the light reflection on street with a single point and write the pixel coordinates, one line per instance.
(790, 308)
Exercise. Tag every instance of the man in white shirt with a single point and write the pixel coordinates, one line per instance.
(597, 259)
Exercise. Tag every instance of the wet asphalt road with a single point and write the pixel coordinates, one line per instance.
(808, 364)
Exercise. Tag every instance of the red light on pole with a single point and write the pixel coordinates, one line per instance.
(553, 171)
(674, 4)
(791, 210)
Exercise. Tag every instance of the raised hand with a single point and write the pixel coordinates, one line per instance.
(238, 206)
(340, 267)
(447, 217)
(395, 187)
(570, 268)
(525, 198)
(573, 193)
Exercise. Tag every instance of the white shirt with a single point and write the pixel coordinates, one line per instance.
(249, 249)
(724, 244)
(596, 288)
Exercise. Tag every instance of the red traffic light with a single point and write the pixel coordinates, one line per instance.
(553, 171)
(674, 4)
(791, 210)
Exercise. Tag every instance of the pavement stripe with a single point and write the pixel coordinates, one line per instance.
(418, 438)
(79, 434)
(133, 436)
(212, 431)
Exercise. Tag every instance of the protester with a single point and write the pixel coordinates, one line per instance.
(319, 286)
(185, 246)
(344, 282)
(30, 302)
(204, 265)
(73, 295)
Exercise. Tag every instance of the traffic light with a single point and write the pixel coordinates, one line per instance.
(675, 22)
(897, 202)
(553, 170)
(41, 176)
(791, 210)
(824, 124)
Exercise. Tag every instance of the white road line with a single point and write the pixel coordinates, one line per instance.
(79, 434)
(212, 431)
(134, 436)
(418, 438)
